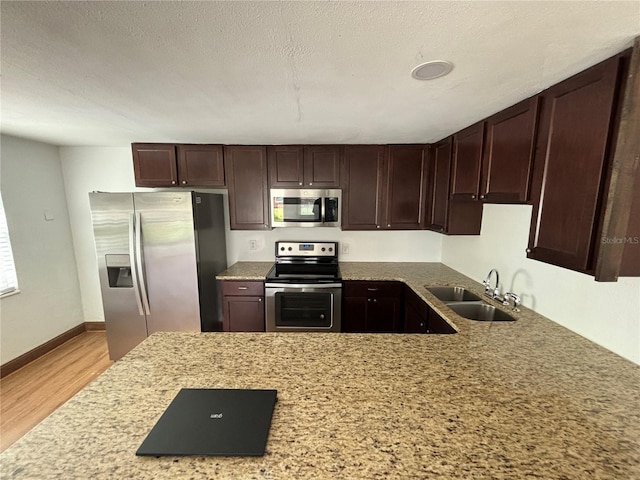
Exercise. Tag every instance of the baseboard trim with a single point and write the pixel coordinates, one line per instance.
(19, 362)
(94, 326)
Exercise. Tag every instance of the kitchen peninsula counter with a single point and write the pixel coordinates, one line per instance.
(503, 400)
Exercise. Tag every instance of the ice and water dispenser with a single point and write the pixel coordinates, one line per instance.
(119, 271)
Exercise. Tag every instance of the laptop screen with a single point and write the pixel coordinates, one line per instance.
(213, 422)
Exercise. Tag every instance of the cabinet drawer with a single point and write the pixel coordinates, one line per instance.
(372, 289)
(242, 288)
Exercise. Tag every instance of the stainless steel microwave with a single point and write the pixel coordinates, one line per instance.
(305, 207)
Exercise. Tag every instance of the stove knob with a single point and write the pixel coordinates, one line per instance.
(331, 249)
(282, 249)
(290, 249)
(323, 249)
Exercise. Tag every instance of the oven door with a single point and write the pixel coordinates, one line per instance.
(303, 308)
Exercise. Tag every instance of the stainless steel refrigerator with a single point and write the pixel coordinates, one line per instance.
(158, 255)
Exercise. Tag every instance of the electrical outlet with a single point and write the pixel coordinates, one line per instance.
(345, 248)
(253, 244)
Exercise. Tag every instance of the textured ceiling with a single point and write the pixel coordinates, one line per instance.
(109, 73)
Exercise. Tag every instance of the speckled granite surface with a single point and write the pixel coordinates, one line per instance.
(521, 400)
(246, 271)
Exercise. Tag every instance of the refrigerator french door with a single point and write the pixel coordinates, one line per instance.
(156, 253)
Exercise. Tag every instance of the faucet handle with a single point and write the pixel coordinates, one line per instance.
(516, 300)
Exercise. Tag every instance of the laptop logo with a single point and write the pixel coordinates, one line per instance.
(215, 415)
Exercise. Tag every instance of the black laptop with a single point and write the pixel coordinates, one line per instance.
(208, 422)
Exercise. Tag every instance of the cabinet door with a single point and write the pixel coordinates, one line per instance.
(246, 172)
(354, 314)
(322, 166)
(363, 187)
(439, 175)
(413, 321)
(466, 163)
(465, 208)
(243, 314)
(154, 164)
(200, 165)
(285, 166)
(383, 315)
(508, 154)
(571, 159)
(437, 324)
(406, 187)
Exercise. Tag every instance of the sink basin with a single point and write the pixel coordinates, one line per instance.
(453, 294)
(480, 311)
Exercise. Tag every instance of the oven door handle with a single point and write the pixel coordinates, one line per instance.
(303, 285)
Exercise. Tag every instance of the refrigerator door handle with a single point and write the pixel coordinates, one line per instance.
(141, 272)
(132, 260)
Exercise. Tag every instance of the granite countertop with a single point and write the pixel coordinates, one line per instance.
(504, 400)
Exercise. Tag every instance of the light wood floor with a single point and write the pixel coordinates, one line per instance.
(34, 391)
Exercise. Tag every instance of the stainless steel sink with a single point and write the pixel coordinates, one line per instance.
(480, 311)
(453, 294)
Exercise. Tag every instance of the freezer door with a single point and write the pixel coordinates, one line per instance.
(168, 268)
(112, 215)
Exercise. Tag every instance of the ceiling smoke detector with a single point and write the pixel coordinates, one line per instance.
(431, 70)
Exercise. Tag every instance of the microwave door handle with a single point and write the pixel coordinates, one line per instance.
(323, 210)
(143, 280)
(132, 262)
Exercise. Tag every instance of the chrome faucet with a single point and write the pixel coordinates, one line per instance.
(492, 292)
(516, 300)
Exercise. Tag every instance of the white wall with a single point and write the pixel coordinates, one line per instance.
(605, 313)
(110, 169)
(49, 301)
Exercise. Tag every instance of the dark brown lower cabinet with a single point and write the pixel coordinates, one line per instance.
(372, 307)
(243, 306)
(420, 318)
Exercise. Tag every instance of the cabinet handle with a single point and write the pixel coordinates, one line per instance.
(184, 182)
(377, 226)
(473, 197)
(310, 183)
(243, 288)
(528, 250)
(368, 299)
(421, 324)
(259, 299)
(482, 197)
(375, 300)
(173, 182)
(372, 289)
(300, 184)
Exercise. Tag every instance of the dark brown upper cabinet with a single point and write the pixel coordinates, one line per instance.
(575, 139)
(466, 163)
(465, 208)
(384, 187)
(509, 148)
(406, 188)
(439, 175)
(286, 166)
(246, 172)
(297, 166)
(154, 164)
(362, 195)
(169, 165)
(200, 165)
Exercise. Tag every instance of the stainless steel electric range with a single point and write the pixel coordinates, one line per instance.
(303, 289)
